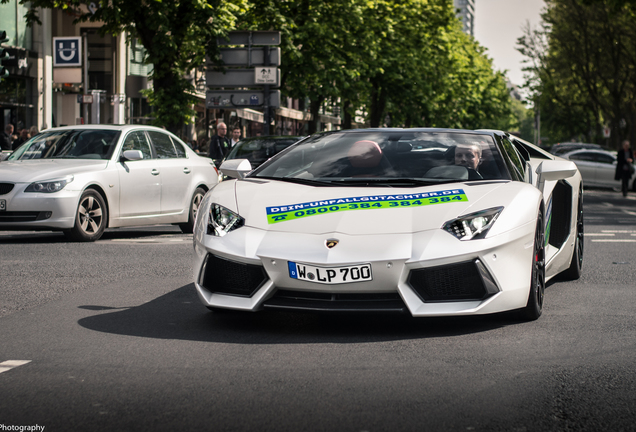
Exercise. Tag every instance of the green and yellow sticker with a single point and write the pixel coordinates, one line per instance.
(370, 202)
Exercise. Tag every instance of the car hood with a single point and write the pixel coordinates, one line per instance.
(28, 171)
(253, 199)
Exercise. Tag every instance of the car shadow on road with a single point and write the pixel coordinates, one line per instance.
(180, 315)
(48, 237)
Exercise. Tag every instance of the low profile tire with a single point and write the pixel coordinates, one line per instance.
(195, 202)
(574, 271)
(90, 218)
(534, 308)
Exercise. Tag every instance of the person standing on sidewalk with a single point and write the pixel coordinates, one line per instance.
(624, 166)
(219, 144)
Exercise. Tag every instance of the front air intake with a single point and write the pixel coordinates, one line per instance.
(453, 282)
(224, 276)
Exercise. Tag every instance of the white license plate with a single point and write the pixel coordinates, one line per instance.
(3, 205)
(330, 275)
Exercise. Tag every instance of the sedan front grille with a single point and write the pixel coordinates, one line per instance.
(225, 276)
(5, 188)
(452, 282)
(23, 216)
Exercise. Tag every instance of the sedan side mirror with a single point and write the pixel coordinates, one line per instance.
(236, 168)
(131, 155)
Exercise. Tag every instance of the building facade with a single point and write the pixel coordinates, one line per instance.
(105, 85)
(466, 14)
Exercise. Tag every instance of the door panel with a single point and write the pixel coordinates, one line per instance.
(139, 181)
(176, 176)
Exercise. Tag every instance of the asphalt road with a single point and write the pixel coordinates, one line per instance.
(110, 336)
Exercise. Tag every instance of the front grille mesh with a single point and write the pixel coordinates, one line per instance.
(9, 216)
(5, 188)
(452, 282)
(224, 276)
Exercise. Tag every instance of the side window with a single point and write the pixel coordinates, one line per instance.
(583, 156)
(604, 159)
(514, 157)
(178, 146)
(163, 145)
(137, 141)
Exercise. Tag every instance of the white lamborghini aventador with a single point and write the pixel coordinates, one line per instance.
(430, 221)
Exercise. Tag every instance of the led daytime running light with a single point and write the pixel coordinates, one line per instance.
(223, 220)
(473, 226)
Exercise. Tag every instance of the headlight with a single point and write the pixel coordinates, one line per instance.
(223, 220)
(473, 226)
(49, 186)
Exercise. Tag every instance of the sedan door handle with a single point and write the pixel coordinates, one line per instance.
(186, 170)
(154, 172)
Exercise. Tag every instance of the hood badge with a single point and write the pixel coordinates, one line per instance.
(331, 243)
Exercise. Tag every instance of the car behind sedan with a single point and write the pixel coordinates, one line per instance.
(84, 179)
(597, 168)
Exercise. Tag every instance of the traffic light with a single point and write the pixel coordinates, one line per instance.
(4, 72)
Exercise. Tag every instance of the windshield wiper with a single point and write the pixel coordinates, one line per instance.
(308, 182)
(391, 182)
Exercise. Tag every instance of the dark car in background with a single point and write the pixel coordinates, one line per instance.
(260, 148)
(562, 148)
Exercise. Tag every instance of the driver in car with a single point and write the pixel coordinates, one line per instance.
(468, 155)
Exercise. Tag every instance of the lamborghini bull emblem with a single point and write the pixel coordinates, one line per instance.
(330, 243)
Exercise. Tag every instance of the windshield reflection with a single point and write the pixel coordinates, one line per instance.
(69, 144)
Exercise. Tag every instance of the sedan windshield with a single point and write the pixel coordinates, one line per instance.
(390, 157)
(69, 144)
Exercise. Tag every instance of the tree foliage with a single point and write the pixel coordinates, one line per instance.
(583, 64)
(402, 63)
(175, 34)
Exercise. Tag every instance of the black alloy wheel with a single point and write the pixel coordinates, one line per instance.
(534, 308)
(574, 271)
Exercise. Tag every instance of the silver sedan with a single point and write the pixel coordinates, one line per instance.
(83, 179)
(597, 167)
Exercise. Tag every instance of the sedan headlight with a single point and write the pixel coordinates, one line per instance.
(223, 220)
(49, 186)
(473, 226)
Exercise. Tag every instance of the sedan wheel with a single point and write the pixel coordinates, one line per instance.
(90, 217)
(534, 307)
(197, 197)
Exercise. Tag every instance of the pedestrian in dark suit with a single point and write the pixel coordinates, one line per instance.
(624, 167)
(6, 138)
(219, 144)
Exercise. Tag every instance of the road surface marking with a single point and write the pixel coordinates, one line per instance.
(10, 364)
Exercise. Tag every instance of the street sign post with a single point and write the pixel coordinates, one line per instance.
(243, 78)
(255, 67)
(245, 57)
(241, 99)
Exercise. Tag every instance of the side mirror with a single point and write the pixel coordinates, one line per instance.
(554, 170)
(236, 168)
(131, 155)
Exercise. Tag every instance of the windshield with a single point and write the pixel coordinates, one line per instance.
(69, 144)
(389, 157)
(258, 150)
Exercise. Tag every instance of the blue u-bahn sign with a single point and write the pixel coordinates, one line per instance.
(67, 51)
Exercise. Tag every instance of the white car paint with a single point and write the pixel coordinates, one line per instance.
(395, 241)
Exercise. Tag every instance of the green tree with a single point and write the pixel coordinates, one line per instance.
(584, 69)
(175, 34)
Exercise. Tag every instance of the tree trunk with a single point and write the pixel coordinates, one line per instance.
(314, 109)
(378, 104)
